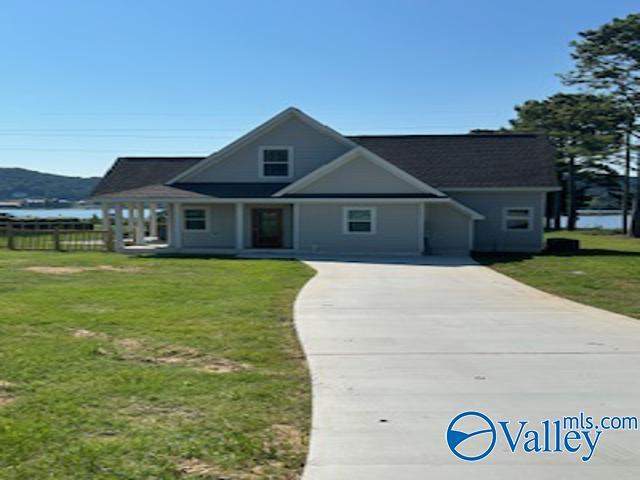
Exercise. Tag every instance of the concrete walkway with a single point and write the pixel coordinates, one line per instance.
(398, 349)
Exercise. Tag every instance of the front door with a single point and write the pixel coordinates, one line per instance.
(267, 228)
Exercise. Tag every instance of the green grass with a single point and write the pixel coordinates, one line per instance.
(102, 372)
(605, 273)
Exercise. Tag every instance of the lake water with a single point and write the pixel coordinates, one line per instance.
(609, 222)
(52, 212)
(584, 221)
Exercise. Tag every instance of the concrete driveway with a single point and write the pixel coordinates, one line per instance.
(398, 349)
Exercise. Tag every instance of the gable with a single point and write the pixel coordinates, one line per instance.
(359, 175)
(311, 148)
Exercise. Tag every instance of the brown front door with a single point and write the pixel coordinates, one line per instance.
(267, 227)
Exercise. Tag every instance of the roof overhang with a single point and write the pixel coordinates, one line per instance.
(282, 200)
(501, 189)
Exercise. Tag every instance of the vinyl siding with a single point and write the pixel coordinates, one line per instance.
(446, 229)
(489, 233)
(359, 175)
(220, 228)
(396, 233)
(311, 149)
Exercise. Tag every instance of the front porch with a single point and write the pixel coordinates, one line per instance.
(286, 227)
(207, 228)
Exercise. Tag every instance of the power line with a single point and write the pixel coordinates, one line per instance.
(28, 130)
(81, 132)
(113, 135)
(120, 152)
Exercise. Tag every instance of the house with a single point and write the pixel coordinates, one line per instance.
(295, 185)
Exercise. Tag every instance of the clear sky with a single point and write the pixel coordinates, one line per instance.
(82, 82)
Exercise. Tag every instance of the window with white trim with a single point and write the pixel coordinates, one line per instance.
(359, 220)
(517, 218)
(276, 162)
(195, 219)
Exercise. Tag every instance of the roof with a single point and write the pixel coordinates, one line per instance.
(470, 160)
(200, 190)
(361, 195)
(441, 161)
(128, 173)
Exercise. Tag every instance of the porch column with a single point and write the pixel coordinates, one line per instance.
(168, 215)
(177, 225)
(106, 219)
(140, 224)
(131, 228)
(239, 226)
(153, 220)
(119, 233)
(296, 226)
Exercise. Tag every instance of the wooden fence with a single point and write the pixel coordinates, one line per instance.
(53, 235)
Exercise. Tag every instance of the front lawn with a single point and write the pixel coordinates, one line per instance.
(605, 273)
(137, 368)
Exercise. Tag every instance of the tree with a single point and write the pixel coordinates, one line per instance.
(608, 60)
(583, 128)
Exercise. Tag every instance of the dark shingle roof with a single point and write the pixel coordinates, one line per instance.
(469, 161)
(233, 190)
(454, 161)
(200, 190)
(129, 173)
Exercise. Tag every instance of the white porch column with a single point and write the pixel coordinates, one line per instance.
(153, 220)
(177, 225)
(140, 224)
(119, 233)
(131, 227)
(106, 219)
(296, 226)
(168, 215)
(239, 226)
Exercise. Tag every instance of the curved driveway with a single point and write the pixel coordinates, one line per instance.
(398, 349)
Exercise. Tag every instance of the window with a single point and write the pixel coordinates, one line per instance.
(195, 219)
(359, 220)
(276, 162)
(517, 218)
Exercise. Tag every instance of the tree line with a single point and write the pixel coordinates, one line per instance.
(596, 130)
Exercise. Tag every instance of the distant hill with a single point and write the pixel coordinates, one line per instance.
(16, 183)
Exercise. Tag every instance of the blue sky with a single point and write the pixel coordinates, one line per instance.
(82, 82)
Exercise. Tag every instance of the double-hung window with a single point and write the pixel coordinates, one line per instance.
(517, 218)
(195, 219)
(276, 162)
(359, 220)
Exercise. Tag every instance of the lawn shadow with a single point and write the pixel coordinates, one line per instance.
(433, 260)
(508, 257)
